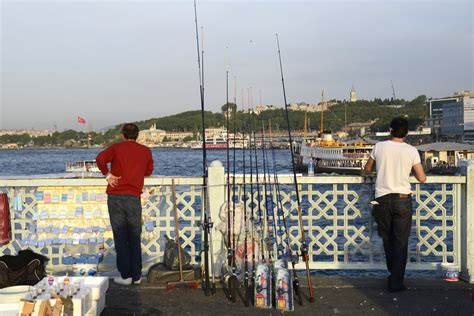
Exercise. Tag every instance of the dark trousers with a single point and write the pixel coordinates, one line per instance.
(393, 215)
(125, 213)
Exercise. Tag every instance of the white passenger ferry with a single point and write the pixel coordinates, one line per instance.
(329, 155)
(82, 166)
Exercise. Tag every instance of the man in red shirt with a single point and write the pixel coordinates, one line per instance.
(130, 163)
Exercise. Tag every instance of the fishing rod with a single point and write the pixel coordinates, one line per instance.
(244, 200)
(265, 191)
(252, 192)
(259, 197)
(234, 278)
(281, 214)
(207, 223)
(230, 249)
(251, 204)
(263, 141)
(304, 247)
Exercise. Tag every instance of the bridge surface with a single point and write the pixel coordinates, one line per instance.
(333, 296)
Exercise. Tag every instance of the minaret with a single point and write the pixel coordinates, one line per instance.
(353, 94)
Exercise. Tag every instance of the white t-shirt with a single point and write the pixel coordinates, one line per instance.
(393, 161)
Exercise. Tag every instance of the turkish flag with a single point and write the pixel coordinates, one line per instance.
(81, 120)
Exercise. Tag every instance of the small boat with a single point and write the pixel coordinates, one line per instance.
(82, 166)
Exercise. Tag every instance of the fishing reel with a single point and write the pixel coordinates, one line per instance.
(230, 254)
(205, 225)
(304, 250)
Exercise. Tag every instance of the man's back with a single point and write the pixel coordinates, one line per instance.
(394, 162)
(131, 162)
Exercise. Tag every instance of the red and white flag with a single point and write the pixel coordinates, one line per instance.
(81, 120)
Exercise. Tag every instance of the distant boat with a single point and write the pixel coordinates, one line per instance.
(219, 141)
(82, 166)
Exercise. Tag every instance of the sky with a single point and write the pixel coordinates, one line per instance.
(118, 61)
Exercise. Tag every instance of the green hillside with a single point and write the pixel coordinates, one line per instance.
(360, 111)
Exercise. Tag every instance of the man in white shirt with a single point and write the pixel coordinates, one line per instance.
(395, 160)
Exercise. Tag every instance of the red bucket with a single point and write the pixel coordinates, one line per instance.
(5, 226)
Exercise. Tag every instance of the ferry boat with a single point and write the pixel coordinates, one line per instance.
(219, 141)
(82, 166)
(329, 155)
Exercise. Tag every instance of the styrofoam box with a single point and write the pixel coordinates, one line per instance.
(97, 307)
(82, 299)
(9, 309)
(10, 297)
(98, 285)
(13, 294)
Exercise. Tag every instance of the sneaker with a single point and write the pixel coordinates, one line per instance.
(137, 281)
(121, 281)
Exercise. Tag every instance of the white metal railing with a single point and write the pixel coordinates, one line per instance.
(336, 216)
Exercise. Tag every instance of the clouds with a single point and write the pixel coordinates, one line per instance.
(120, 61)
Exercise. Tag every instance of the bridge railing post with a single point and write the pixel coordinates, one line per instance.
(467, 224)
(216, 193)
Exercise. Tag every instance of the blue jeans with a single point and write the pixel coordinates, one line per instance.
(125, 213)
(393, 215)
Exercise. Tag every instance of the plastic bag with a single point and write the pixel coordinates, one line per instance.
(5, 225)
(171, 256)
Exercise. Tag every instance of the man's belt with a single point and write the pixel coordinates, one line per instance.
(401, 195)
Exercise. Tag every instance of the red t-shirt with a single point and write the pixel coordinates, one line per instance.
(130, 161)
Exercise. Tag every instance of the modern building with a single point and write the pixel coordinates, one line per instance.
(457, 121)
(353, 95)
(435, 109)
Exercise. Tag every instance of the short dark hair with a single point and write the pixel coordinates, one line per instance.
(130, 131)
(399, 127)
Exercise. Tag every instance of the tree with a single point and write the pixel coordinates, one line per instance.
(232, 107)
(418, 101)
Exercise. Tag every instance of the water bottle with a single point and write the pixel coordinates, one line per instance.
(310, 168)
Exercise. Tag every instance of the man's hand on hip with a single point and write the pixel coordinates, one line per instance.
(112, 180)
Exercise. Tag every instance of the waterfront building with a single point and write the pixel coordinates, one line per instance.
(444, 153)
(179, 136)
(9, 146)
(30, 132)
(358, 128)
(151, 137)
(353, 95)
(215, 131)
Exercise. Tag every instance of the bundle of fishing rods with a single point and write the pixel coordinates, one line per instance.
(265, 222)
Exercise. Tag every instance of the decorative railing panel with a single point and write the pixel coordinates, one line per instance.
(61, 217)
(338, 223)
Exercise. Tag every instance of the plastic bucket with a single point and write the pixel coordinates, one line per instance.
(450, 273)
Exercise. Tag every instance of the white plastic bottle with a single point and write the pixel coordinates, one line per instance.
(310, 168)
